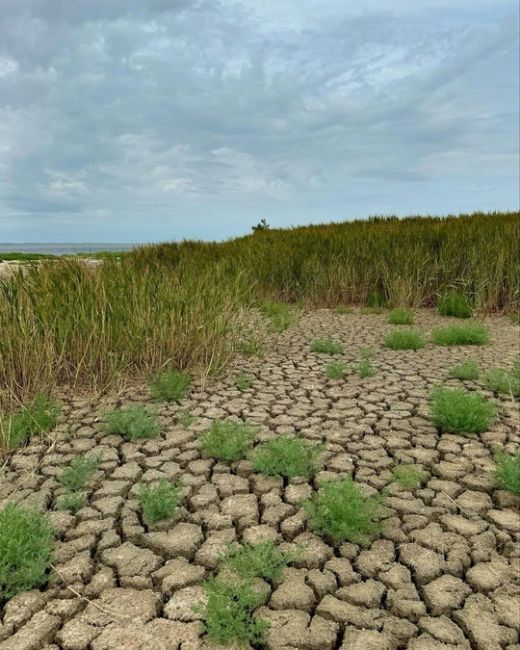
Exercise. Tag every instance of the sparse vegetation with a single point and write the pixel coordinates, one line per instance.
(508, 471)
(470, 333)
(185, 418)
(169, 385)
(366, 369)
(281, 316)
(404, 340)
(327, 346)
(409, 476)
(251, 347)
(455, 303)
(460, 411)
(375, 299)
(401, 316)
(467, 370)
(336, 370)
(133, 422)
(263, 560)
(71, 502)
(343, 309)
(75, 476)
(243, 382)
(227, 440)
(287, 457)
(26, 542)
(38, 418)
(502, 381)
(341, 512)
(159, 500)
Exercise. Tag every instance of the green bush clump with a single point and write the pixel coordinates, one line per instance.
(133, 423)
(466, 370)
(409, 476)
(36, 419)
(227, 440)
(366, 369)
(286, 456)
(71, 502)
(336, 370)
(501, 381)
(160, 500)
(455, 303)
(250, 348)
(280, 315)
(401, 316)
(243, 382)
(169, 385)
(340, 511)
(466, 334)
(185, 418)
(404, 340)
(78, 472)
(263, 560)
(26, 542)
(327, 346)
(460, 411)
(376, 299)
(507, 472)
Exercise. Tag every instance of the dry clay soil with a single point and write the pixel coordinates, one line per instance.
(443, 574)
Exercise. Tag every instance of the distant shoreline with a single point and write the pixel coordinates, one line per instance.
(11, 250)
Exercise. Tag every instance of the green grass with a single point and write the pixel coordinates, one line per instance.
(404, 340)
(280, 315)
(336, 370)
(263, 560)
(467, 370)
(366, 369)
(409, 476)
(75, 476)
(243, 382)
(185, 418)
(250, 348)
(343, 309)
(133, 423)
(159, 500)
(460, 411)
(38, 418)
(455, 303)
(465, 334)
(401, 316)
(515, 318)
(229, 613)
(25, 257)
(375, 299)
(286, 456)
(502, 381)
(327, 346)
(26, 543)
(169, 385)
(227, 440)
(341, 512)
(507, 471)
(71, 502)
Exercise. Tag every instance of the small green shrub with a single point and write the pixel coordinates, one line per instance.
(327, 346)
(26, 541)
(250, 348)
(336, 370)
(342, 309)
(229, 613)
(401, 316)
(243, 382)
(508, 471)
(409, 476)
(263, 560)
(37, 418)
(366, 369)
(160, 500)
(133, 422)
(340, 511)
(466, 334)
(227, 440)
(404, 340)
(455, 303)
(281, 316)
(286, 456)
(169, 385)
(78, 472)
(466, 370)
(501, 381)
(72, 502)
(515, 318)
(460, 411)
(185, 418)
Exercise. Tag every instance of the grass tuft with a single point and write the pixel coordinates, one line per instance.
(250, 348)
(280, 315)
(401, 316)
(327, 346)
(340, 511)
(467, 370)
(159, 501)
(455, 303)
(185, 418)
(466, 334)
(336, 370)
(286, 456)
(227, 440)
(169, 385)
(502, 381)
(507, 472)
(243, 382)
(409, 476)
(26, 541)
(460, 411)
(133, 423)
(343, 309)
(36, 419)
(75, 476)
(404, 340)
(263, 560)
(71, 502)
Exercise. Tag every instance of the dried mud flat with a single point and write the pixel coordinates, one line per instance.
(444, 573)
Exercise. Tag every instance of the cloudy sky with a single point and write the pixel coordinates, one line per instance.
(144, 120)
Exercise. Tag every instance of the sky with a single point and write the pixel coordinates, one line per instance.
(154, 120)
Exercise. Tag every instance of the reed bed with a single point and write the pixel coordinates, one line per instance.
(179, 305)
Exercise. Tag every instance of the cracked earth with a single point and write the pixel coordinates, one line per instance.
(444, 574)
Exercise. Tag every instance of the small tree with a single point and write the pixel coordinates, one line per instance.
(261, 225)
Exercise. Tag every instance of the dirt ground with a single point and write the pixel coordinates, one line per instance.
(444, 574)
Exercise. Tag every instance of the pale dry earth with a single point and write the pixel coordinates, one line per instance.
(445, 573)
